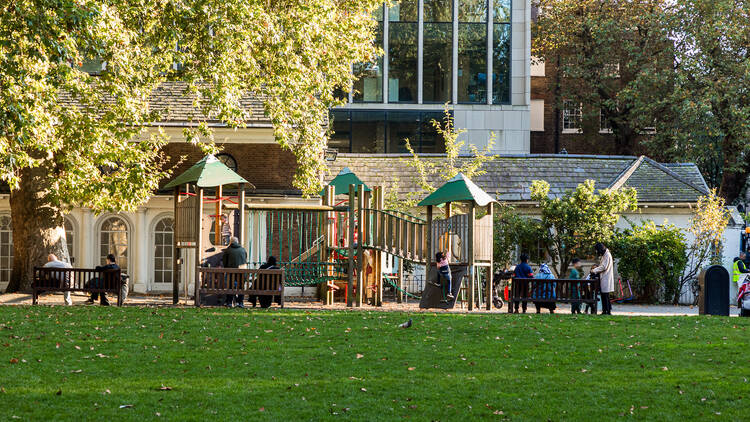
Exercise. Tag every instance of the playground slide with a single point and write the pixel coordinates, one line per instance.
(432, 296)
(310, 252)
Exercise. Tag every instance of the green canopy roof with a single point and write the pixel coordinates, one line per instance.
(206, 173)
(342, 181)
(458, 189)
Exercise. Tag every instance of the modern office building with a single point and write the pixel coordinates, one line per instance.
(439, 52)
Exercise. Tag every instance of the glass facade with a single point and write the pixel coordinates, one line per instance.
(455, 47)
(403, 43)
(385, 131)
(368, 88)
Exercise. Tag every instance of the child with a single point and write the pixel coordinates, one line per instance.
(575, 274)
(444, 270)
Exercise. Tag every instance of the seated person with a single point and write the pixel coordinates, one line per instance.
(523, 270)
(99, 283)
(575, 274)
(61, 277)
(265, 301)
(545, 290)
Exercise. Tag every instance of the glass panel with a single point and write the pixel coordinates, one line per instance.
(401, 126)
(402, 63)
(168, 263)
(168, 238)
(404, 11)
(158, 264)
(438, 10)
(369, 84)
(431, 140)
(472, 63)
(340, 124)
(472, 10)
(501, 64)
(158, 277)
(378, 13)
(501, 11)
(159, 239)
(438, 61)
(368, 131)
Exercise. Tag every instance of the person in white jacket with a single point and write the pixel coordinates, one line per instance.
(606, 273)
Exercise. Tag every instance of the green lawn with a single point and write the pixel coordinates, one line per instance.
(195, 364)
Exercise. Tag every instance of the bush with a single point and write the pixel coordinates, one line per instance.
(653, 258)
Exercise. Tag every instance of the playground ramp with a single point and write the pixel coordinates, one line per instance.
(434, 297)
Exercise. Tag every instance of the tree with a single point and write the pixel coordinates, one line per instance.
(70, 138)
(612, 57)
(653, 258)
(428, 171)
(711, 100)
(574, 222)
(512, 232)
(707, 227)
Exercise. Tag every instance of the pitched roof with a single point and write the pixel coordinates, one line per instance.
(178, 106)
(458, 189)
(207, 173)
(509, 177)
(342, 181)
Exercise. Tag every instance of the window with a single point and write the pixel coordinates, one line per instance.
(571, 117)
(402, 52)
(368, 87)
(605, 124)
(163, 250)
(384, 132)
(501, 53)
(114, 239)
(472, 51)
(437, 60)
(70, 239)
(6, 248)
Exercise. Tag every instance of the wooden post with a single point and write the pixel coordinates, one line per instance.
(360, 246)
(401, 296)
(350, 243)
(490, 270)
(217, 220)
(327, 201)
(380, 205)
(472, 270)
(198, 245)
(243, 223)
(428, 237)
(448, 210)
(175, 251)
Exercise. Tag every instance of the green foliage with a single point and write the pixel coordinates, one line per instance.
(291, 54)
(291, 365)
(653, 258)
(513, 232)
(575, 221)
(679, 67)
(612, 58)
(430, 171)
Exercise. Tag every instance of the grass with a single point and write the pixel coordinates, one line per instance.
(77, 363)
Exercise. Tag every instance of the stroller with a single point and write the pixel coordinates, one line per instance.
(743, 298)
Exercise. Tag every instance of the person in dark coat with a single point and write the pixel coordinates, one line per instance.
(235, 256)
(265, 301)
(523, 270)
(99, 283)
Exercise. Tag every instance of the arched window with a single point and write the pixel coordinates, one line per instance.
(114, 239)
(163, 250)
(69, 238)
(6, 248)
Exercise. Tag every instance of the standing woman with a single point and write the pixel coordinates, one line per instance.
(607, 276)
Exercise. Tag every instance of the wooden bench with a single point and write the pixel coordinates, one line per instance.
(553, 291)
(86, 280)
(240, 281)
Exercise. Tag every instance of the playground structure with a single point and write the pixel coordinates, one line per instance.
(343, 246)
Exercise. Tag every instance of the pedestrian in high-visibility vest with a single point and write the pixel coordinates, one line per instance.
(739, 268)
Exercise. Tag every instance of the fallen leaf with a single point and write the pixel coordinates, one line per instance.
(262, 409)
(497, 412)
(664, 368)
(126, 406)
(360, 356)
(411, 368)
(165, 388)
(363, 389)
(107, 391)
(13, 360)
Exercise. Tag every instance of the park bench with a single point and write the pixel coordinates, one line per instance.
(86, 280)
(240, 281)
(553, 291)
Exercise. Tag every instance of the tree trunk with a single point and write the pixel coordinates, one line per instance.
(38, 226)
(732, 184)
